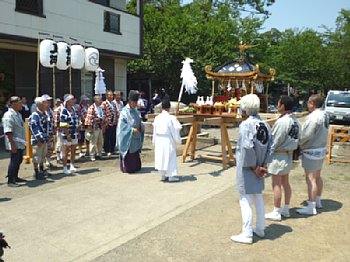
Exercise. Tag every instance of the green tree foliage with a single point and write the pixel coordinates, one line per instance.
(207, 32)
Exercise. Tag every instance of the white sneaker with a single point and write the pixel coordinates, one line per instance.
(109, 154)
(274, 216)
(93, 158)
(309, 211)
(81, 154)
(319, 205)
(174, 179)
(259, 233)
(285, 212)
(73, 169)
(242, 239)
(66, 171)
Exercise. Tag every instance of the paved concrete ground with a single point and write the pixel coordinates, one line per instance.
(84, 216)
(104, 215)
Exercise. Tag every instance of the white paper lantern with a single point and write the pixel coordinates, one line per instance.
(48, 53)
(77, 56)
(92, 58)
(63, 55)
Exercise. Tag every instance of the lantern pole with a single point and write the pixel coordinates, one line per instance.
(37, 67)
(85, 42)
(70, 67)
(54, 75)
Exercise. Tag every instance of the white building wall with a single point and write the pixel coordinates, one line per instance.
(80, 19)
(120, 75)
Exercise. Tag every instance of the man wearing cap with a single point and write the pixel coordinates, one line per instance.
(110, 112)
(50, 144)
(39, 126)
(130, 132)
(69, 123)
(14, 139)
(82, 111)
(94, 122)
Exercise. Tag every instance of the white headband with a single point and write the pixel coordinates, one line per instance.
(69, 97)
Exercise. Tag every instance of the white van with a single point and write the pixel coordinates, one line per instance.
(337, 105)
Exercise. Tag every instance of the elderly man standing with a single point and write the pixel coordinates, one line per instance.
(253, 153)
(69, 123)
(285, 133)
(50, 144)
(14, 139)
(39, 126)
(94, 122)
(130, 132)
(110, 112)
(313, 144)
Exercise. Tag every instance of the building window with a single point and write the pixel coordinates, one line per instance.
(115, 4)
(112, 23)
(34, 7)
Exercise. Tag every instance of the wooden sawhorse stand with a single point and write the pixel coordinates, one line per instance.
(217, 120)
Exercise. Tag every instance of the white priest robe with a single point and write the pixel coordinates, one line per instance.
(166, 133)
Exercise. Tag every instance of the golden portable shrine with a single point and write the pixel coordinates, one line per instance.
(235, 79)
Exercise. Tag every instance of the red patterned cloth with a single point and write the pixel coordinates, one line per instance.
(93, 118)
(56, 116)
(110, 111)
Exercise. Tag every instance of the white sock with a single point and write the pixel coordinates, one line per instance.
(286, 207)
(65, 168)
(277, 209)
(72, 166)
(312, 205)
(318, 199)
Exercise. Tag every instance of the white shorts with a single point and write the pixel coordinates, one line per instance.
(73, 142)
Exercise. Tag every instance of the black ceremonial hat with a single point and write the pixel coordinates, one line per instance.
(133, 95)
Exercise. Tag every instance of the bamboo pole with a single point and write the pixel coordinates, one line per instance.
(29, 153)
(212, 89)
(267, 96)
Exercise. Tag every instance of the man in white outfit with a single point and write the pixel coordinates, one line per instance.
(166, 133)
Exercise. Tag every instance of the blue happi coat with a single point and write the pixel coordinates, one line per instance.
(254, 148)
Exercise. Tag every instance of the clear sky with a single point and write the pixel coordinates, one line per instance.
(302, 13)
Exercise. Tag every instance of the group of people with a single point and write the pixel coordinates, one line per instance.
(69, 124)
(261, 151)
